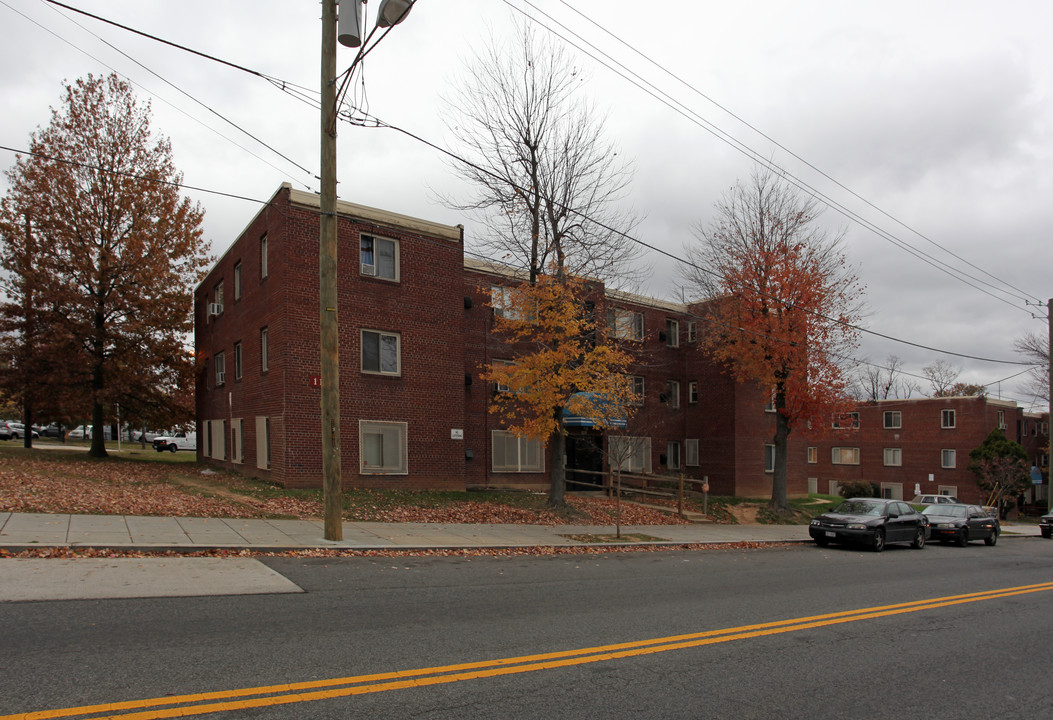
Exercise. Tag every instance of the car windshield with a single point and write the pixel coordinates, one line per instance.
(860, 507)
(951, 510)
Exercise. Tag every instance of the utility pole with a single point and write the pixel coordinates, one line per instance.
(327, 291)
(1049, 418)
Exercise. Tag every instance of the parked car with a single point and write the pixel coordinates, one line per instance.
(871, 521)
(81, 432)
(177, 441)
(145, 435)
(1045, 525)
(52, 430)
(962, 523)
(16, 431)
(933, 499)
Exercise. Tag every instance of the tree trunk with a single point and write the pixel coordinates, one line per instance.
(559, 474)
(98, 432)
(779, 501)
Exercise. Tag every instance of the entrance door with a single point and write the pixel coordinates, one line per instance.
(584, 462)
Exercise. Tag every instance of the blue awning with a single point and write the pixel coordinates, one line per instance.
(604, 411)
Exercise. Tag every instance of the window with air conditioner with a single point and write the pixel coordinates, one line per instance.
(379, 257)
(221, 368)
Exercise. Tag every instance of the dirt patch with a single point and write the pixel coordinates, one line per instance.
(744, 514)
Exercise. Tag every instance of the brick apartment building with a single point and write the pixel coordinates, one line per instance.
(415, 327)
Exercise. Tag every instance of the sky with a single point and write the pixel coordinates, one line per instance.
(926, 128)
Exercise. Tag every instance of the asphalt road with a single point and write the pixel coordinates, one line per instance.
(714, 634)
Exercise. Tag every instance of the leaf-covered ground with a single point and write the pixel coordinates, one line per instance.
(47, 482)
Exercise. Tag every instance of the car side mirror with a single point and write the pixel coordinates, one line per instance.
(893, 514)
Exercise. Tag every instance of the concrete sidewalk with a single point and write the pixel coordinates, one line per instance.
(20, 531)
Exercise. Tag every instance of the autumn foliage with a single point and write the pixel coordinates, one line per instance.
(102, 253)
(559, 360)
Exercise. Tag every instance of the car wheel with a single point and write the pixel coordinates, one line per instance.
(919, 539)
(1047, 534)
(172, 448)
(14, 436)
(879, 540)
(963, 537)
(991, 539)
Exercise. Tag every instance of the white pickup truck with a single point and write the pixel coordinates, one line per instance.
(178, 441)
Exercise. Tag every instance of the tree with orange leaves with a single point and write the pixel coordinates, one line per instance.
(783, 305)
(563, 363)
(102, 252)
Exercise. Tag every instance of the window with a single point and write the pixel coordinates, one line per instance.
(672, 455)
(893, 420)
(691, 452)
(501, 387)
(947, 419)
(263, 257)
(813, 455)
(769, 458)
(237, 281)
(221, 368)
(638, 389)
(237, 361)
(692, 392)
(218, 295)
(263, 442)
(770, 405)
(382, 448)
(516, 454)
(947, 459)
(236, 448)
(630, 454)
(380, 257)
(846, 421)
(625, 324)
(501, 302)
(1001, 420)
(672, 332)
(380, 352)
(672, 389)
(893, 457)
(692, 334)
(264, 350)
(845, 456)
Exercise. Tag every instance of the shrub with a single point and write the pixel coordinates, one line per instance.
(856, 488)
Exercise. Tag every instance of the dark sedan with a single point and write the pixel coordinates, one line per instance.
(961, 523)
(871, 521)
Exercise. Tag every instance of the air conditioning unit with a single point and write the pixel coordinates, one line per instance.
(215, 308)
(369, 269)
(221, 377)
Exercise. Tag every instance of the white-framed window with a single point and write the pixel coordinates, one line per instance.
(692, 333)
(691, 452)
(381, 353)
(672, 333)
(221, 368)
(813, 455)
(265, 362)
(947, 418)
(1001, 420)
(515, 454)
(263, 257)
(845, 456)
(501, 303)
(769, 458)
(948, 459)
(672, 390)
(625, 324)
(770, 405)
(217, 294)
(638, 389)
(892, 420)
(237, 281)
(379, 257)
(498, 386)
(692, 392)
(236, 448)
(846, 421)
(263, 442)
(629, 454)
(951, 490)
(892, 491)
(893, 457)
(672, 455)
(237, 360)
(383, 447)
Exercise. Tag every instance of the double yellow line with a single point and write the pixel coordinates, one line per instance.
(273, 695)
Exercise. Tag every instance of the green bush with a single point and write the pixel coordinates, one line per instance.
(856, 488)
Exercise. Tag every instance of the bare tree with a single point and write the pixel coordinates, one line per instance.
(783, 304)
(942, 376)
(884, 382)
(1035, 347)
(547, 188)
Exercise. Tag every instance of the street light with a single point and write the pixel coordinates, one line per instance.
(391, 12)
